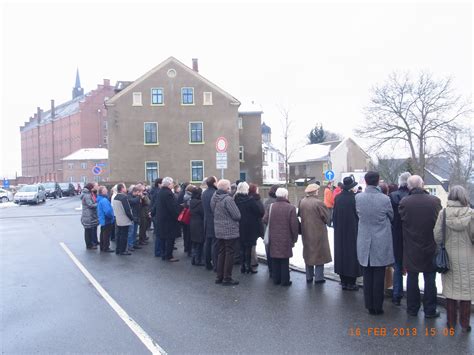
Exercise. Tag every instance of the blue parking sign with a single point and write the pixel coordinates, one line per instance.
(6, 183)
(96, 170)
(329, 175)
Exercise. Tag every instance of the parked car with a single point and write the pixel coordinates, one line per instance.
(53, 189)
(67, 189)
(5, 195)
(30, 194)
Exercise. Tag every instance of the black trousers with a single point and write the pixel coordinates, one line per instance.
(281, 271)
(167, 245)
(197, 249)
(245, 255)
(348, 280)
(210, 253)
(413, 293)
(374, 277)
(121, 237)
(187, 238)
(105, 232)
(225, 259)
(90, 234)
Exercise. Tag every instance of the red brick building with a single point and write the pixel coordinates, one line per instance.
(49, 136)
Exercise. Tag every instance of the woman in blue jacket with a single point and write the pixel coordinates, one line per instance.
(106, 219)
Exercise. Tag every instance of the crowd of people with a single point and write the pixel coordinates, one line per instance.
(384, 226)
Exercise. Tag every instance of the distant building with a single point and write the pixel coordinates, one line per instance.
(49, 136)
(167, 122)
(86, 165)
(313, 160)
(273, 161)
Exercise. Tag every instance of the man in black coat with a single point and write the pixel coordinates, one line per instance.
(134, 197)
(153, 196)
(397, 236)
(167, 211)
(345, 222)
(210, 244)
(418, 213)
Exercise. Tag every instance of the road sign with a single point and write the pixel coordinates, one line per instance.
(96, 170)
(100, 164)
(6, 183)
(221, 160)
(329, 175)
(221, 144)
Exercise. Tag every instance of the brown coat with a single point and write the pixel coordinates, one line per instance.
(314, 218)
(283, 232)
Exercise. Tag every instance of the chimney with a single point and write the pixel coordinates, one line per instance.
(195, 65)
(53, 111)
(38, 114)
(106, 82)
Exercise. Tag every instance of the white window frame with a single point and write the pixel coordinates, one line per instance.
(71, 178)
(70, 166)
(240, 123)
(202, 124)
(241, 153)
(191, 170)
(209, 96)
(157, 134)
(137, 99)
(162, 94)
(83, 179)
(157, 169)
(106, 140)
(181, 98)
(83, 166)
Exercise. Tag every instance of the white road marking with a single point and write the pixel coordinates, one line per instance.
(139, 332)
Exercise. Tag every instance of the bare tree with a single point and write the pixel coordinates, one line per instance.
(415, 112)
(287, 127)
(459, 153)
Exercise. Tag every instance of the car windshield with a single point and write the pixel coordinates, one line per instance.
(49, 185)
(64, 186)
(29, 188)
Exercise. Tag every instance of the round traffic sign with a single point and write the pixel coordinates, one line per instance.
(329, 175)
(221, 144)
(96, 170)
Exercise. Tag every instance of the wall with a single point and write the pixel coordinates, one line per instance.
(250, 137)
(76, 171)
(127, 152)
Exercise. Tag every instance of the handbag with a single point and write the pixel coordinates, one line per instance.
(441, 260)
(185, 216)
(266, 237)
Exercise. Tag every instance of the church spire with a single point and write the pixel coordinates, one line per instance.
(77, 90)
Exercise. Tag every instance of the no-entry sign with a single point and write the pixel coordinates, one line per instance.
(96, 170)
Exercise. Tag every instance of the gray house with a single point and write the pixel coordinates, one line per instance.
(167, 122)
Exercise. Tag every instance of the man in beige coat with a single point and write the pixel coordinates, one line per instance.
(314, 218)
(458, 282)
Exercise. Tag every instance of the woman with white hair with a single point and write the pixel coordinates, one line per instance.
(283, 234)
(455, 227)
(249, 225)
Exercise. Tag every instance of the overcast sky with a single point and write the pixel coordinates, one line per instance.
(319, 59)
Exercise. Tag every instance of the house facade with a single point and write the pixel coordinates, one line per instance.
(272, 160)
(167, 123)
(86, 165)
(313, 160)
(250, 151)
(49, 136)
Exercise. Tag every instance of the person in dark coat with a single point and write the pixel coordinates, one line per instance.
(268, 202)
(185, 227)
(156, 231)
(196, 226)
(283, 234)
(418, 213)
(249, 225)
(210, 244)
(167, 211)
(134, 196)
(253, 193)
(345, 221)
(396, 197)
(145, 214)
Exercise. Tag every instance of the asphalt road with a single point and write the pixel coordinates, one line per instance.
(48, 306)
